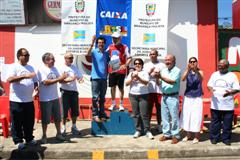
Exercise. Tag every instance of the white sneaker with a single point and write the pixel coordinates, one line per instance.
(136, 134)
(112, 107)
(121, 108)
(149, 135)
(59, 137)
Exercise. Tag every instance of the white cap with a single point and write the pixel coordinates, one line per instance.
(116, 35)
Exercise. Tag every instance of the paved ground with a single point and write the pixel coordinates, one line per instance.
(119, 147)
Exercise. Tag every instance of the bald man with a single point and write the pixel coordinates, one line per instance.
(222, 84)
(70, 92)
(170, 77)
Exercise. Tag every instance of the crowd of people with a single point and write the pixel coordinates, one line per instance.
(153, 84)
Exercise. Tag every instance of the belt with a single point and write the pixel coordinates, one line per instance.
(170, 94)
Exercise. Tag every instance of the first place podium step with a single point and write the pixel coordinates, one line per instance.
(120, 123)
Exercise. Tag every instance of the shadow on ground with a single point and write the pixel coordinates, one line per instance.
(36, 152)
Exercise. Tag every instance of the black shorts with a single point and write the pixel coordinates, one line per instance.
(70, 101)
(116, 79)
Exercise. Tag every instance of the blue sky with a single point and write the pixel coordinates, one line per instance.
(224, 10)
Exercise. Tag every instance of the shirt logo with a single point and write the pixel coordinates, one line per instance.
(51, 76)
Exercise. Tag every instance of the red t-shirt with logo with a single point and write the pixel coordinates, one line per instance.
(122, 51)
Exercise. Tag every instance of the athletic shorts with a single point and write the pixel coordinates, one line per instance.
(116, 79)
(48, 109)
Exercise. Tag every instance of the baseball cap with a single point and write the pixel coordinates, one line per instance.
(116, 35)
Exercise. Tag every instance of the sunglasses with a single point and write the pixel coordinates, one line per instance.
(192, 61)
(25, 55)
(137, 63)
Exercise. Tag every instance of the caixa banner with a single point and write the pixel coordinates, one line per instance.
(142, 25)
(229, 48)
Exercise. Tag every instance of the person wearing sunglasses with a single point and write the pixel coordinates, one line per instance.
(222, 105)
(23, 81)
(69, 92)
(191, 115)
(138, 95)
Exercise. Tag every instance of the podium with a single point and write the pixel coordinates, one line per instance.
(120, 123)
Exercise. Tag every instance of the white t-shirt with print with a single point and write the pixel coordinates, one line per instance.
(152, 86)
(220, 83)
(71, 71)
(21, 91)
(137, 88)
(47, 92)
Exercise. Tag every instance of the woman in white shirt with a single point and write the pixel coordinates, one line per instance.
(138, 96)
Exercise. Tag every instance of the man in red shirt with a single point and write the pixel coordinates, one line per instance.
(120, 59)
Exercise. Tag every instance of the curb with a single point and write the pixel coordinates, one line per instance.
(43, 153)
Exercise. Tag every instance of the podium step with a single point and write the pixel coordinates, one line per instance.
(120, 123)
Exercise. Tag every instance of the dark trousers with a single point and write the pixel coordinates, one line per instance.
(154, 99)
(140, 111)
(70, 101)
(221, 120)
(99, 88)
(22, 117)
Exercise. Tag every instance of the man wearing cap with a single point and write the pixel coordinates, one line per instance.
(117, 76)
(70, 93)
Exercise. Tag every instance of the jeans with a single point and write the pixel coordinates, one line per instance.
(140, 111)
(22, 117)
(99, 88)
(170, 112)
(221, 119)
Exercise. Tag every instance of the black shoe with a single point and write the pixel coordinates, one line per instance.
(213, 141)
(227, 143)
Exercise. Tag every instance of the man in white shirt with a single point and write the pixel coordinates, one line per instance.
(23, 81)
(48, 77)
(154, 87)
(222, 105)
(70, 93)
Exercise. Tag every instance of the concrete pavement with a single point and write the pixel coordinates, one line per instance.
(87, 146)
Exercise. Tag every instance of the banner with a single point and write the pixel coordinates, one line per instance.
(148, 23)
(12, 12)
(112, 17)
(78, 25)
(142, 24)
